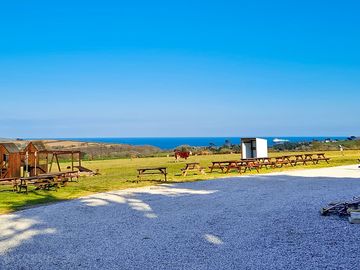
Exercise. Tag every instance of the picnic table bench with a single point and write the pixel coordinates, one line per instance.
(192, 166)
(154, 170)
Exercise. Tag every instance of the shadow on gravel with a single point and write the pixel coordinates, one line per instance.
(269, 215)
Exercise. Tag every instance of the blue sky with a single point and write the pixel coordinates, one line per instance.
(179, 68)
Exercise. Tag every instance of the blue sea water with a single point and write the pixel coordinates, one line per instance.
(172, 142)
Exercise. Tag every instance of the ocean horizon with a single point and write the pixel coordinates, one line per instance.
(168, 143)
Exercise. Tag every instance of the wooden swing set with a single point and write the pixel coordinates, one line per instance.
(34, 165)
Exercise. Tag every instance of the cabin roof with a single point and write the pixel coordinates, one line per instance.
(251, 138)
(10, 147)
(39, 145)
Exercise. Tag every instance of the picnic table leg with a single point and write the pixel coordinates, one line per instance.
(139, 176)
(15, 186)
(23, 184)
(56, 182)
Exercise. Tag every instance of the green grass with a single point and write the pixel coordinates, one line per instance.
(120, 174)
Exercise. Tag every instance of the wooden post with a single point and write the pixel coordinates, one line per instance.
(47, 162)
(72, 161)
(51, 162)
(79, 159)
(26, 162)
(35, 158)
(57, 161)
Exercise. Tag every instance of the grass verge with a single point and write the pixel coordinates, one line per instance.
(119, 174)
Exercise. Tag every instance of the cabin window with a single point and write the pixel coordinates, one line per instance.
(5, 158)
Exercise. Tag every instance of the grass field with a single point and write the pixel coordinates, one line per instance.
(120, 174)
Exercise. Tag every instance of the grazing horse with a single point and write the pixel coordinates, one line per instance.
(181, 154)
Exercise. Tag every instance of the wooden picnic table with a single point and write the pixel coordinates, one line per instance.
(67, 175)
(47, 181)
(309, 158)
(234, 164)
(153, 170)
(241, 165)
(283, 160)
(320, 157)
(249, 164)
(40, 182)
(219, 165)
(315, 158)
(265, 162)
(192, 166)
(299, 158)
(287, 159)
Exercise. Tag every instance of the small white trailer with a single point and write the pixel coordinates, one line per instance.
(254, 148)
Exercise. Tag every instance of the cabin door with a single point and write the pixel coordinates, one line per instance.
(4, 166)
(248, 147)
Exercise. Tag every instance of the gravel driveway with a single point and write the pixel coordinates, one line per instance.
(255, 222)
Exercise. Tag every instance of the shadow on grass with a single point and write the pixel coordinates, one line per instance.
(29, 201)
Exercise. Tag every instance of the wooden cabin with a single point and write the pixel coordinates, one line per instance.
(10, 160)
(35, 158)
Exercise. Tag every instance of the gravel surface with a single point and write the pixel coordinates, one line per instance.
(254, 222)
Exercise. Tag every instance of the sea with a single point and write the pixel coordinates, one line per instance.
(167, 143)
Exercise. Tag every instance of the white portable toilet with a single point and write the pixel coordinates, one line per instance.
(254, 148)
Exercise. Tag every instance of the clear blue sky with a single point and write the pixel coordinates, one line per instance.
(179, 68)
